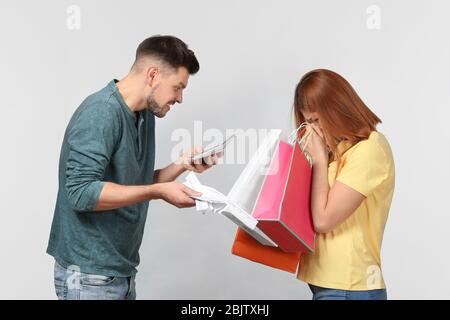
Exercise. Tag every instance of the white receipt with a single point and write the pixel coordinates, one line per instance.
(211, 200)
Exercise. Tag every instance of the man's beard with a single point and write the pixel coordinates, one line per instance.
(154, 107)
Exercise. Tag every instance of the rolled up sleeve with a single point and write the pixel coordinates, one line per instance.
(91, 141)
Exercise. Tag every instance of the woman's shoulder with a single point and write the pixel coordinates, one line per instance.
(375, 147)
(378, 141)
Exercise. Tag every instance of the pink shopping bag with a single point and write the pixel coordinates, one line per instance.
(283, 205)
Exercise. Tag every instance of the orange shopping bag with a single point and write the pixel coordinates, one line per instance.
(247, 247)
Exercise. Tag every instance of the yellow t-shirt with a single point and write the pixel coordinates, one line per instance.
(348, 257)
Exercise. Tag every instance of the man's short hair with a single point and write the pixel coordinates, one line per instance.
(170, 50)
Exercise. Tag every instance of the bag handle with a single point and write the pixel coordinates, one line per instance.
(304, 139)
(293, 136)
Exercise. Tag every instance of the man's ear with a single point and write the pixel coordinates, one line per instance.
(151, 76)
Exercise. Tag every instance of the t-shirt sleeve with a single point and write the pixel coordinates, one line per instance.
(91, 139)
(365, 168)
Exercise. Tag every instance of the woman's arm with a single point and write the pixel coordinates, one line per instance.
(329, 207)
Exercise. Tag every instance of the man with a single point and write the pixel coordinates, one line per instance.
(107, 177)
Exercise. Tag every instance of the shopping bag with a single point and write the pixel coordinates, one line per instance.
(286, 187)
(243, 195)
(247, 247)
(265, 166)
(283, 205)
(264, 179)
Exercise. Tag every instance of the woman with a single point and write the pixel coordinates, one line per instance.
(352, 188)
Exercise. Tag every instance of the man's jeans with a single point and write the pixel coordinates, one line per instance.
(71, 284)
(335, 294)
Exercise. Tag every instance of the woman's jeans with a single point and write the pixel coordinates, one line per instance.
(335, 294)
(71, 284)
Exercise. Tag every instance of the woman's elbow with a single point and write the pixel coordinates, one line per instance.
(322, 226)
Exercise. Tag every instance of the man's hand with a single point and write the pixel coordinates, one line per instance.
(174, 170)
(177, 194)
(198, 166)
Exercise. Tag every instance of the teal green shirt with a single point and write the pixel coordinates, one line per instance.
(104, 141)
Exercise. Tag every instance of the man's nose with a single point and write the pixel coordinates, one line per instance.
(180, 97)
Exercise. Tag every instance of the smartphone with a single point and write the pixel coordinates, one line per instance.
(212, 150)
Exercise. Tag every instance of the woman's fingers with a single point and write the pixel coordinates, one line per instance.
(317, 130)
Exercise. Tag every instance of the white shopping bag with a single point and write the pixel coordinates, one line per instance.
(240, 201)
(244, 193)
(246, 188)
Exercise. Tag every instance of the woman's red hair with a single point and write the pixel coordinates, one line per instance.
(343, 115)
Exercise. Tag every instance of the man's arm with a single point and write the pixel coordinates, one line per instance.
(115, 196)
(169, 173)
(91, 142)
(184, 163)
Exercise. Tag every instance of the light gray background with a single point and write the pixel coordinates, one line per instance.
(252, 54)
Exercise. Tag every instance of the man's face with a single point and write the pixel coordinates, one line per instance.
(167, 89)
